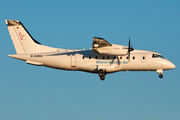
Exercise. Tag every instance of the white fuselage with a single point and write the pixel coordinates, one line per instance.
(91, 61)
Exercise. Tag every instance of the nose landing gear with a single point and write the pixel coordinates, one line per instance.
(102, 74)
(160, 73)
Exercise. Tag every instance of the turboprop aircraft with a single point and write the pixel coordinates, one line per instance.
(103, 58)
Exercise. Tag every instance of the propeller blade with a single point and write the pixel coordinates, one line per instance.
(129, 49)
(129, 43)
(118, 61)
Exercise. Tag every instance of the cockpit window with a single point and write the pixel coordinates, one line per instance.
(157, 56)
(161, 56)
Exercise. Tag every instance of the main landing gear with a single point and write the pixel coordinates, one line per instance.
(102, 74)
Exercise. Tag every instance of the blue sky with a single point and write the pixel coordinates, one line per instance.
(41, 93)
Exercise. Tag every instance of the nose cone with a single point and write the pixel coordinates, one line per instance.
(171, 66)
(167, 64)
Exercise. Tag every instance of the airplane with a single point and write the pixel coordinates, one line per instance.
(103, 58)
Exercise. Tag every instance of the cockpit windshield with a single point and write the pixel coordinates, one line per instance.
(157, 56)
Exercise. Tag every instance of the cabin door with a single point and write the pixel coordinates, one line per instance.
(73, 60)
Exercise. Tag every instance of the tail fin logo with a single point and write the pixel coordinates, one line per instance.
(21, 36)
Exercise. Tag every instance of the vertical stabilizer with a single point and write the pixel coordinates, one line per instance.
(23, 41)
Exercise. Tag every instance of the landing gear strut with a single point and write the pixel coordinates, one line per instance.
(160, 71)
(102, 74)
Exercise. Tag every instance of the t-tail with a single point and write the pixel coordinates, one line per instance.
(23, 41)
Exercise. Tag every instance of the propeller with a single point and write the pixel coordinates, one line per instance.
(129, 49)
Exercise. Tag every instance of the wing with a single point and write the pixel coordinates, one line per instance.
(102, 46)
(100, 42)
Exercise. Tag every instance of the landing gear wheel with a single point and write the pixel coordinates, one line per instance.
(100, 74)
(160, 76)
(102, 77)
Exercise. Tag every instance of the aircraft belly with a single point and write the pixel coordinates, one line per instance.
(136, 66)
(58, 62)
(95, 68)
(112, 68)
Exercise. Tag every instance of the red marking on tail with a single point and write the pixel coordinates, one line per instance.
(21, 36)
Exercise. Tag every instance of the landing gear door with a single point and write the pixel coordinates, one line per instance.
(73, 60)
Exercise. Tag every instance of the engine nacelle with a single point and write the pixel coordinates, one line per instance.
(104, 47)
(112, 50)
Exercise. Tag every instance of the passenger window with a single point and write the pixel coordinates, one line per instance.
(107, 57)
(133, 57)
(96, 57)
(89, 57)
(103, 57)
(83, 57)
(120, 57)
(143, 57)
(114, 57)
